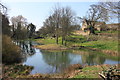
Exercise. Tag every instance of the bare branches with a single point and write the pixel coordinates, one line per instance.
(3, 9)
(97, 13)
(112, 7)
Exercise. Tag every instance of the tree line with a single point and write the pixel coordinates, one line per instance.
(20, 29)
(59, 24)
(63, 21)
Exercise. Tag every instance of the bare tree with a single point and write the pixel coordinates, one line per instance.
(60, 23)
(19, 24)
(66, 22)
(96, 13)
(56, 16)
(113, 9)
(49, 24)
(3, 9)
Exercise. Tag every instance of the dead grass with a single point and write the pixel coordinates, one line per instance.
(51, 47)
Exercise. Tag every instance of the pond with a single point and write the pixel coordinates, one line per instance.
(45, 61)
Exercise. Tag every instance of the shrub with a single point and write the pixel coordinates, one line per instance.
(10, 52)
(76, 39)
(92, 38)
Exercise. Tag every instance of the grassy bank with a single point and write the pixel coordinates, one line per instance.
(92, 71)
(16, 70)
(103, 43)
(73, 71)
(51, 47)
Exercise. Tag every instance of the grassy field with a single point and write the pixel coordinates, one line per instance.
(51, 47)
(92, 41)
(107, 31)
(104, 45)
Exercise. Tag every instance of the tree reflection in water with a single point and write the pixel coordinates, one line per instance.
(58, 60)
(27, 49)
(92, 58)
(45, 61)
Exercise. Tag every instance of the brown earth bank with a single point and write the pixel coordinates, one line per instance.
(14, 70)
(109, 52)
(22, 72)
(60, 47)
(51, 47)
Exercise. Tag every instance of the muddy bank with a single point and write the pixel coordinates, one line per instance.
(19, 71)
(15, 70)
(109, 52)
(69, 72)
(51, 47)
(23, 71)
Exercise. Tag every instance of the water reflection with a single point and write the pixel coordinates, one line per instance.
(27, 49)
(52, 62)
(92, 58)
(58, 60)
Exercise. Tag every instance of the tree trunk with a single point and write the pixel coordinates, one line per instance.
(62, 40)
(57, 39)
(65, 41)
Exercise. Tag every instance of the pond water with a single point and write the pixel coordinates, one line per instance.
(53, 62)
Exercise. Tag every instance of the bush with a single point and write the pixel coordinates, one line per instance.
(77, 39)
(10, 52)
(92, 38)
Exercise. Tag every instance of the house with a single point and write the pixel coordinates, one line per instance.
(98, 25)
(114, 26)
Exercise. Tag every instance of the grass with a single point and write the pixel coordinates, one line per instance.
(14, 70)
(91, 71)
(51, 47)
(94, 41)
(109, 31)
(46, 41)
(103, 45)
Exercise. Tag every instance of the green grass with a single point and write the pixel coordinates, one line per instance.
(88, 72)
(79, 40)
(91, 71)
(104, 45)
(46, 41)
(109, 31)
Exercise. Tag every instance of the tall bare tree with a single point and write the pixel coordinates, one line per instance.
(113, 9)
(96, 13)
(19, 24)
(56, 16)
(67, 19)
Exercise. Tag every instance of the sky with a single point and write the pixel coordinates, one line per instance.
(37, 12)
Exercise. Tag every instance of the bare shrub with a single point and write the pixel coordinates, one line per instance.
(10, 52)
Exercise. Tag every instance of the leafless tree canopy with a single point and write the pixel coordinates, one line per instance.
(112, 7)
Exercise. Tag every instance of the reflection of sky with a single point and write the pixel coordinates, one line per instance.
(40, 66)
(108, 61)
(75, 59)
